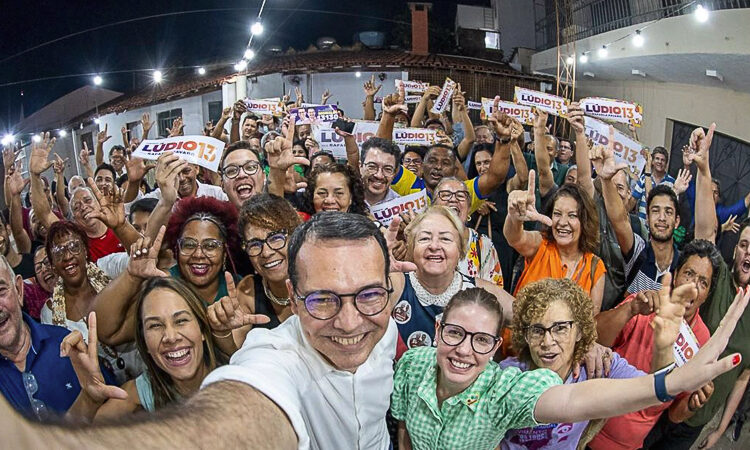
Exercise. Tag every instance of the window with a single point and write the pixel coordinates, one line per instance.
(88, 138)
(492, 40)
(214, 111)
(132, 126)
(165, 120)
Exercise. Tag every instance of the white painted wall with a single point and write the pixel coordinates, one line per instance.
(681, 102)
(347, 88)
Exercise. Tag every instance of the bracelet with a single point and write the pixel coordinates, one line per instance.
(221, 337)
(660, 386)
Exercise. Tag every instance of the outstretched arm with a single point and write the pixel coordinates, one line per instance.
(370, 91)
(583, 164)
(392, 105)
(101, 138)
(461, 114)
(543, 161)
(38, 163)
(705, 210)
(521, 209)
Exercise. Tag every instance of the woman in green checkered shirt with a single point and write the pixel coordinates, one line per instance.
(455, 396)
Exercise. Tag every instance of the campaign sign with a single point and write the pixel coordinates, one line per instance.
(444, 98)
(685, 346)
(409, 99)
(626, 149)
(333, 143)
(414, 136)
(553, 104)
(385, 212)
(275, 108)
(522, 113)
(412, 86)
(314, 115)
(611, 110)
(201, 150)
(474, 105)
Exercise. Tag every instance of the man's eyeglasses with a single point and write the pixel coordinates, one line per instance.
(31, 386)
(209, 247)
(447, 195)
(372, 169)
(560, 331)
(324, 304)
(408, 161)
(72, 247)
(250, 168)
(454, 335)
(38, 267)
(276, 240)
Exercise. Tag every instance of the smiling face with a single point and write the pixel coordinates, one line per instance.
(299, 151)
(436, 246)
(551, 353)
(105, 180)
(201, 268)
(413, 162)
(37, 229)
(566, 224)
(331, 193)
(249, 128)
(69, 259)
(75, 182)
(187, 186)
(378, 170)
(697, 270)
(662, 218)
(483, 135)
(438, 163)
(452, 190)
(347, 339)
(81, 205)
(482, 160)
(304, 131)
(243, 186)
(270, 264)
(566, 152)
(741, 267)
(460, 365)
(173, 336)
(659, 163)
(11, 317)
(45, 277)
(117, 158)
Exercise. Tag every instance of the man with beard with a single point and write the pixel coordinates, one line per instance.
(380, 160)
(33, 377)
(38, 290)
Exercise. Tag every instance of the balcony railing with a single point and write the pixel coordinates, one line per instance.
(591, 17)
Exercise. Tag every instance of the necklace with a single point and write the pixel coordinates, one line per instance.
(273, 298)
(426, 298)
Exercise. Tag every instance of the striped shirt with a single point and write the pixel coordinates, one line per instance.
(641, 271)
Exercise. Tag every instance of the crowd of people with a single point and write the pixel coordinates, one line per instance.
(546, 298)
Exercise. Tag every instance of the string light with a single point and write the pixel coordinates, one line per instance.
(62, 133)
(584, 58)
(157, 76)
(8, 139)
(249, 54)
(242, 65)
(201, 70)
(98, 80)
(701, 14)
(358, 74)
(638, 39)
(257, 28)
(570, 60)
(603, 52)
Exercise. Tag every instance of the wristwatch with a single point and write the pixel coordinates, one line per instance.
(504, 140)
(660, 385)
(648, 174)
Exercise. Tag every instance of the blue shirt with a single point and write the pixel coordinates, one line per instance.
(56, 380)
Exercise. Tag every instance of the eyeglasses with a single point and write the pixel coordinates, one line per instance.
(276, 240)
(372, 169)
(454, 335)
(447, 195)
(324, 304)
(31, 386)
(72, 247)
(250, 168)
(560, 331)
(38, 267)
(408, 161)
(210, 247)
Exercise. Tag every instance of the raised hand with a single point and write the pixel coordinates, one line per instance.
(136, 168)
(603, 158)
(85, 361)
(370, 88)
(15, 182)
(325, 96)
(177, 127)
(9, 157)
(458, 99)
(576, 118)
(40, 155)
(311, 146)
(540, 119)
(392, 241)
(168, 167)
(682, 181)
(83, 156)
(144, 256)
(102, 136)
(730, 225)
(431, 92)
(228, 313)
(704, 366)
(670, 310)
(522, 204)
(238, 109)
(226, 113)
(300, 98)
(700, 141)
(394, 103)
(146, 123)
(279, 152)
(112, 207)
(58, 165)
(286, 97)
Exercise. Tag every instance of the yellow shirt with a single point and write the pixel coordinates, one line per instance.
(405, 183)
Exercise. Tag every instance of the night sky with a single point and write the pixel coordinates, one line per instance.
(188, 39)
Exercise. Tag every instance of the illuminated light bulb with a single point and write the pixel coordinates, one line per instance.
(603, 52)
(201, 70)
(98, 80)
(8, 139)
(249, 54)
(358, 74)
(584, 58)
(257, 28)
(62, 133)
(638, 39)
(242, 65)
(36, 138)
(570, 60)
(701, 14)
(157, 76)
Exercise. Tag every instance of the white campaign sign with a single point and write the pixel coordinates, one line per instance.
(611, 110)
(264, 107)
(522, 113)
(686, 345)
(331, 142)
(627, 150)
(414, 136)
(412, 86)
(553, 104)
(385, 212)
(201, 150)
(443, 99)
(474, 105)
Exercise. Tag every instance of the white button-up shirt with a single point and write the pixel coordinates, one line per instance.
(328, 408)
